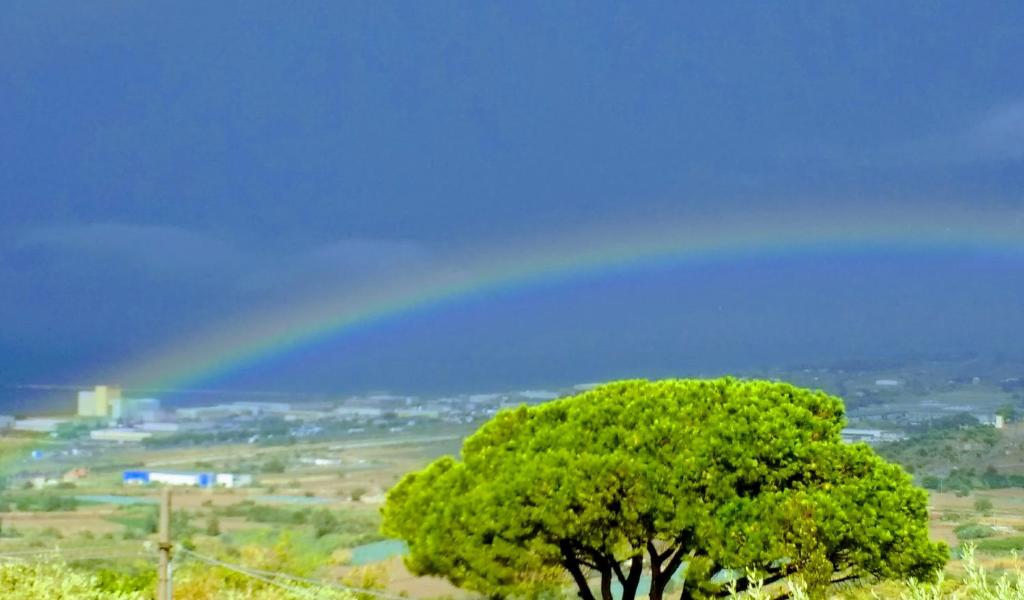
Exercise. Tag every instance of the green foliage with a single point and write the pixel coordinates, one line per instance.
(743, 475)
(274, 465)
(137, 519)
(359, 527)
(55, 580)
(963, 481)
(977, 584)
(212, 525)
(126, 579)
(37, 502)
(73, 430)
(200, 582)
(323, 522)
(144, 520)
(973, 531)
(1007, 412)
(969, 449)
(1007, 544)
(262, 513)
(983, 505)
(953, 422)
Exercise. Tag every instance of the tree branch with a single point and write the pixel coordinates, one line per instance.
(572, 564)
(636, 569)
(618, 572)
(672, 565)
(656, 559)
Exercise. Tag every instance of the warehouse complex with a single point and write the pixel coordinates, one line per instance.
(187, 478)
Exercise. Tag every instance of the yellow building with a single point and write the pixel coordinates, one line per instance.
(103, 401)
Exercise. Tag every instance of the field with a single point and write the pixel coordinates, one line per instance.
(296, 485)
(313, 510)
(113, 520)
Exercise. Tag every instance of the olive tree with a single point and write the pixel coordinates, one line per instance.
(723, 480)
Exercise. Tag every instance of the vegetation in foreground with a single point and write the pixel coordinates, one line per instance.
(57, 581)
(741, 481)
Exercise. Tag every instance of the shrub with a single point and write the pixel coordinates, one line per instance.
(324, 522)
(39, 502)
(274, 465)
(24, 581)
(973, 531)
(212, 525)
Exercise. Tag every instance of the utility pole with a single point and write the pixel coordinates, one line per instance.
(163, 581)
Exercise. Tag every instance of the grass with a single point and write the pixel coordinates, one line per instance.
(1007, 544)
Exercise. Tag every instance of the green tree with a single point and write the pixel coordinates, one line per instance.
(1008, 412)
(723, 475)
(323, 522)
(983, 505)
(212, 525)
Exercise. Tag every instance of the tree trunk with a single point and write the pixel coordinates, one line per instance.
(572, 564)
(632, 581)
(584, 589)
(663, 567)
(657, 591)
(606, 584)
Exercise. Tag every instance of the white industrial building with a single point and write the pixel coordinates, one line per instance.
(256, 408)
(116, 434)
(187, 478)
(219, 411)
(357, 411)
(38, 424)
(159, 427)
(233, 480)
(870, 436)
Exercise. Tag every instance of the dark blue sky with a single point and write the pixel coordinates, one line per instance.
(166, 165)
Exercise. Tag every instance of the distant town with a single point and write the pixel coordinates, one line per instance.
(884, 403)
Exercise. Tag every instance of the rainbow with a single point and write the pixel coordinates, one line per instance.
(467, 276)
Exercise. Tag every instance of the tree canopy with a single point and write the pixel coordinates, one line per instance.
(721, 479)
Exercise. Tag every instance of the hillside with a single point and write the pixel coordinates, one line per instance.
(962, 456)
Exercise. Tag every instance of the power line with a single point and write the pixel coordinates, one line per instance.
(243, 571)
(268, 577)
(337, 586)
(259, 573)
